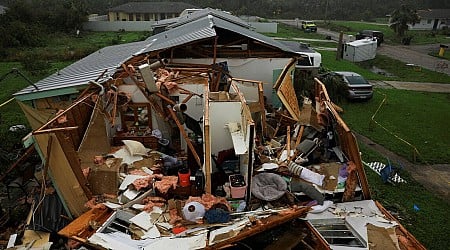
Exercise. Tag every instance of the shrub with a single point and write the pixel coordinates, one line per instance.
(34, 65)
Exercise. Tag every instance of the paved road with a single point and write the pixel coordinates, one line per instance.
(415, 57)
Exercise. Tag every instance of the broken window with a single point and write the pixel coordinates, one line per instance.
(337, 232)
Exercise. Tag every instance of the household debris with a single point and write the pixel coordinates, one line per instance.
(388, 173)
(171, 151)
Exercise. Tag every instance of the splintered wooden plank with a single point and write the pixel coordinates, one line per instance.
(207, 142)
(74, 161)
(185, 136)
(264, 225)
(262, 104)
(95, 138)
(287, 95)
(83, 227)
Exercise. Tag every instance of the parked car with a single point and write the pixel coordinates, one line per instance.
(309, 26)
(371, 34)
(358, 88)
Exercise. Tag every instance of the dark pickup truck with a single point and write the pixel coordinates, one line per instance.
(371, 34)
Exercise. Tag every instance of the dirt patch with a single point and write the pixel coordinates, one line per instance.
(435, 178)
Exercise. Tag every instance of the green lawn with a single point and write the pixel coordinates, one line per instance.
(287, 31)
(10, 113)
(64, 47)
(418, 36)
(431, 224)
(421, 120)
(399, 70)
(407, 121)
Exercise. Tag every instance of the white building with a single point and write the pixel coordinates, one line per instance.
(432, 19)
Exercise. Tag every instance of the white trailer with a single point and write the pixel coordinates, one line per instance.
(360, 50)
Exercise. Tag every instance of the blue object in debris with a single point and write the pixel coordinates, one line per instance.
(416, 208)
(385, 173)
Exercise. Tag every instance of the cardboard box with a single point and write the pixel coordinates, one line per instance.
(104, 178)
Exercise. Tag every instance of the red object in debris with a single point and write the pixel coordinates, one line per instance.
(184, 176)
(177, 230)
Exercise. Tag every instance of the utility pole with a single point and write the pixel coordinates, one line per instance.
(339, 48)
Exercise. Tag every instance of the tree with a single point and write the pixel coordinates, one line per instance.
(19, 26)
(400, 19)
(26, 23)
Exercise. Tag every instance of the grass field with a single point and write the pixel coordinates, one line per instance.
(286, 31)
(64, 47)
(418, 36)
(418, 118)
(399, 70)
(430, 224)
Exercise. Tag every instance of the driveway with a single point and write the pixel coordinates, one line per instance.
(416, 86)
(409, 55)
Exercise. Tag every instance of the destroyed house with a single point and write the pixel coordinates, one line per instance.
(195, 138)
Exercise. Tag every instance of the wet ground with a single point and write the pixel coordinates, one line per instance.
(435, 178)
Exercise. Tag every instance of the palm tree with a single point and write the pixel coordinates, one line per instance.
(400, 19)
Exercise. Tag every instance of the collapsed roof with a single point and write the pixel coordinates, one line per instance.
(209, 36)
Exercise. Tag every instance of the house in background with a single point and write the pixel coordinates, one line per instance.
(189, 15)
(432, 19)
(147, 11)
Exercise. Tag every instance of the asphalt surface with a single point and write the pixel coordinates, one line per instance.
(414, 57)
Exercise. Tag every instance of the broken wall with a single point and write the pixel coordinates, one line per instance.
(96, 140)
(221, 113)
(62, 175)
(257, 69)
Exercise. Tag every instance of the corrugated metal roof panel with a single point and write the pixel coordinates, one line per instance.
(204, 28)
(197, 30)
(48, 216)
(110, 58)
(251, 34)
(434, 13)
(88, 68)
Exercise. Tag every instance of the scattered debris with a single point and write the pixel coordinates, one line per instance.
(388, 173)
(173, 153)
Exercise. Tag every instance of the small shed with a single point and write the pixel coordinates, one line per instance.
(360, 50)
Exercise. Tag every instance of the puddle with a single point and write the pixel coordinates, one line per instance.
(381, 71)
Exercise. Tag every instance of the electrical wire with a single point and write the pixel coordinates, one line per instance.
(416, 151)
